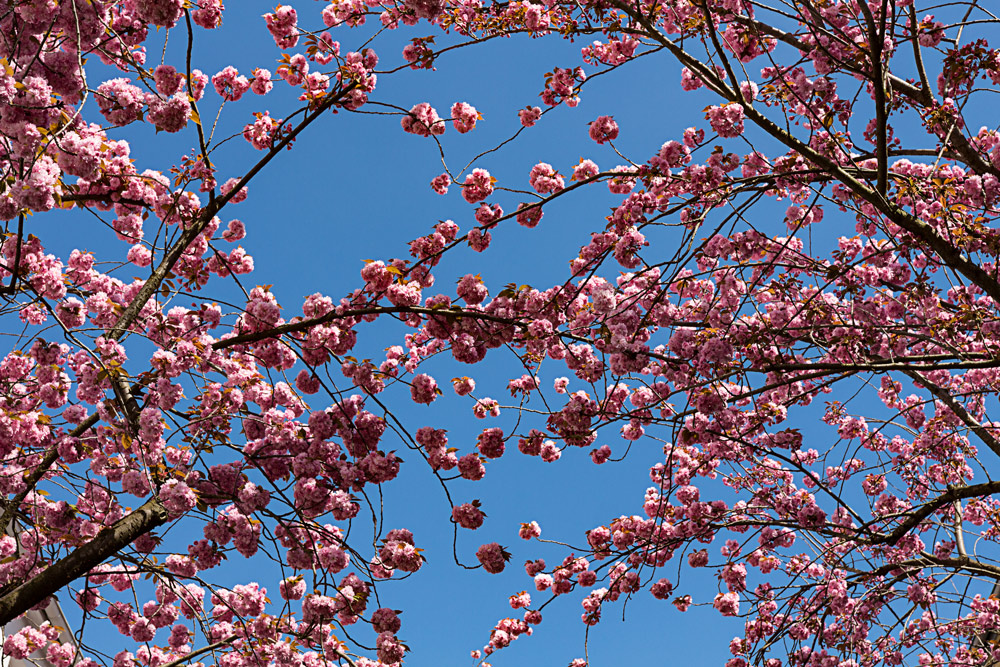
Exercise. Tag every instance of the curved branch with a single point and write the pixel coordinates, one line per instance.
(939, 393)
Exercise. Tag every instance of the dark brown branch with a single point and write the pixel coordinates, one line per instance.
(303, 325)
(945, 397)
(881, 366)
(949, 254)
(15, 270)
(916, 516)
(917, 57)
(876, 34)
(106, 544)
(201, 651)
(38, 471)
(919, 95)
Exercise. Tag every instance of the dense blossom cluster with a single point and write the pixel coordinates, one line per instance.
(682, 321)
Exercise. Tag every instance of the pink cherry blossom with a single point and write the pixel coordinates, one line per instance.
(478, 185)
(492, 557)
(604, 129)
(464, 116)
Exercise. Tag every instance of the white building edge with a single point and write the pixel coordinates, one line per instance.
(51, 614)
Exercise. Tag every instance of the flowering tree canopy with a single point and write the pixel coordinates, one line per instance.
(826, 232)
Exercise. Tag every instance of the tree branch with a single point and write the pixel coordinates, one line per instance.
(106, 544)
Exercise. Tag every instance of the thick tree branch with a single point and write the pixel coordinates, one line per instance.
(951, 256)
(338, 314)
(38, 471)
(915, 517)
(201, 651)
(945, 397)
(919, 95)
(106, 544)
(876, 35)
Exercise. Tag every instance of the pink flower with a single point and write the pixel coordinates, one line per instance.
(479, 240)
(486, 406)
(238, 196)
(385, 620)
(292, 588)
(71, 312)
(874, 484)
(119, 101)
(749, 90)
(404, 295)
(423, 121)
(425, 9)
(689, 81)
(171, 114)
(586, 169)
(491, 443)
(230, 84)
(282, 26)
(261, 84)
(471, 467)
(726, 120)
(167, 80)
(399, 553)
(464, 116)
(661, 589)
(89, 599)
(390, 651)
(177, 497)
(621, 185)
(811, 516)
(533, 567)
(672, 154)
(529, 530)
(493, 557)
(472, 289)
(698, 558)
(424, 389)
(463, 385)
(550, 453)
(930, 32)
(468, 515)
(529, 217)
(520, 601)
(235, 230)
(197, 85)
(728, 604)
(545, 179)
(440, 184)
(693, 137)
(377, 276)
(486, 215)
(529, 116)
(478, 186)
(604, 129)
(261, 132)
(208, 14)
(163, 13)
(601, 454)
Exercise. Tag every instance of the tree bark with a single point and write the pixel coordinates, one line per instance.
(108, 542)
